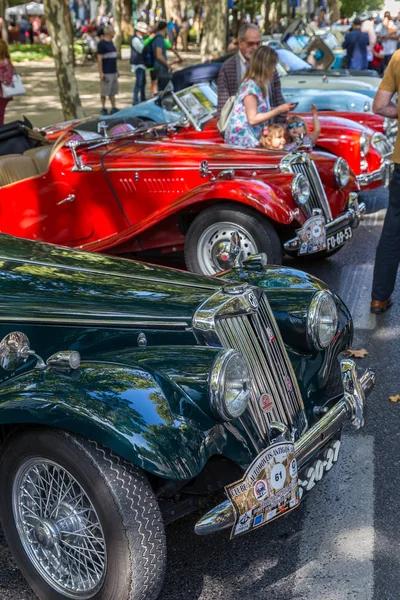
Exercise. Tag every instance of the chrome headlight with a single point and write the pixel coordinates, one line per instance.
(367, 106)
(322, 320)
(364, 143)
(300, 189)
(341, 171)
(229, 385)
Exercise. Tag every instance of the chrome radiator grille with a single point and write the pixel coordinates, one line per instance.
(257, 337)
(301, 163)
(318, 197)
(382, 144)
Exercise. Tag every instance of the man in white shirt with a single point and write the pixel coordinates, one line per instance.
(368, 26)
(138, 67)
(388, 37)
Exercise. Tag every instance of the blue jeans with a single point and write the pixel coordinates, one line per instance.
(388, 251)
(140, 85)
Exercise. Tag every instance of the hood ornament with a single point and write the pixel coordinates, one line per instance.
(255, 262)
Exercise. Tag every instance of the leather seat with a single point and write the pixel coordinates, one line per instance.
(40, 156)
(16, 167)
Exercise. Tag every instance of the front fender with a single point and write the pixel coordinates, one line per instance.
(126, 405)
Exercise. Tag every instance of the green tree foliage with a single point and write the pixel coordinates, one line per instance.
(348, 7)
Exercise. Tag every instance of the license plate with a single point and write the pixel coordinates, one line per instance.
(338, 238)
(272, 486)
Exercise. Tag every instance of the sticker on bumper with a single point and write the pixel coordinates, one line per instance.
(268, 489)
(312, 236)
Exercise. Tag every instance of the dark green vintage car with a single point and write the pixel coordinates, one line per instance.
(129, 392)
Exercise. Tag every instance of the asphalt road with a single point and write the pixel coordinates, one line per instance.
(343, 543)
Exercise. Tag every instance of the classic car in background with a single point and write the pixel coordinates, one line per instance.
(124, 406)
(367, 152)
(126, 191)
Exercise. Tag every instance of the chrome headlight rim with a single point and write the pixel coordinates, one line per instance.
(300, 189)
(313, 320)
(217, 385)
(367, 106)
(341, 171)
(364, 143)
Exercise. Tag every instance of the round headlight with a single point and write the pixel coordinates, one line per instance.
(230, 385)
(364, 143)
(341, 171)
(300, 189)
(322, 321)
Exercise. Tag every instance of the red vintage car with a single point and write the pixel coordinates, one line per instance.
(357, 137)
(126, 191)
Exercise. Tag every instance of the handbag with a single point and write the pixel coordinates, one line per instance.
(16, 88)
(225, 114)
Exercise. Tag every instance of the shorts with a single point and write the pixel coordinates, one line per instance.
(153, 74)
(109, 85)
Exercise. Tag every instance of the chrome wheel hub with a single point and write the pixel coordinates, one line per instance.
(214, 247)
(59, 529)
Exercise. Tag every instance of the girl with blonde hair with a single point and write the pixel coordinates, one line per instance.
(252, 107)
(6, 75)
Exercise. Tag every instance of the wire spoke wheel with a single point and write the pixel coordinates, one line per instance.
(213, 250)
(59, 528)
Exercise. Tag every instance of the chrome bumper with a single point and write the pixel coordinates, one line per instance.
(350, 408)
(382, 174)
(351, 218)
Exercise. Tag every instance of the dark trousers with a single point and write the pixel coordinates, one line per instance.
(388, 251)
(140, 86)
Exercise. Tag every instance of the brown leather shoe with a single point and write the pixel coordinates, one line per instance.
(379, 306)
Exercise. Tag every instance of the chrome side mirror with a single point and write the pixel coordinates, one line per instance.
(14, 350)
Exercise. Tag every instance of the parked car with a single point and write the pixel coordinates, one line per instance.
(159, 190)
(295, 73)
(129, 392)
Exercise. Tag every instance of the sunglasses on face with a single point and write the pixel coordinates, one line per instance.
(253, 44)
(295, 124)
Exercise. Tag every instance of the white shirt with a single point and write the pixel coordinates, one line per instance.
(137, 44)
(389, 46)
(243, 65)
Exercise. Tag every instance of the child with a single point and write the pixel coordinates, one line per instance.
(297, 131)
(273, 137)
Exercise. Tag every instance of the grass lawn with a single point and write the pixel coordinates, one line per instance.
(26, 52)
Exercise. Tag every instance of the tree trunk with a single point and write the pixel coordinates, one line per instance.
(4, 31)
(70, 29)
(68, 89)
(117, 14)
(126, 20)
(174, 10)
(213, 43)
(335, 11)
(266, 16)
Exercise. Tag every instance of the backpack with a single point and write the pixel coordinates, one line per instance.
(226, 114)
(148, 55)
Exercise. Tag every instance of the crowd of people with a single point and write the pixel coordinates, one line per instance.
(372, 41)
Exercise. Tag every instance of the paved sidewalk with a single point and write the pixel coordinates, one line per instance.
(41, 104)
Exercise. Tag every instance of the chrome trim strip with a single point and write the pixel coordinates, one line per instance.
(380, 174)
(109, 322)
(195, 167)
(351, 407)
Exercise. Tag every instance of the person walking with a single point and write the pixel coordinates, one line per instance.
(388, 37)
(252, 108)
(137, 61)
(356, 44)
(161, 64)
(7, 71)
(107, 62)
(388, 250)
(233, 70)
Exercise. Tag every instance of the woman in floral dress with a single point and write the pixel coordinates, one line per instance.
(6, 75)
(252, 108)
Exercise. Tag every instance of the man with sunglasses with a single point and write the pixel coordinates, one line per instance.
(233, 70)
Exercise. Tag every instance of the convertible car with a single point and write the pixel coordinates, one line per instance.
(365, 149)
(129, 392)
(150, 189)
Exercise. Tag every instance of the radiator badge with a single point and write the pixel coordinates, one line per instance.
(252, 298)
(271, 335)
(266, 403)
(289, 385)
